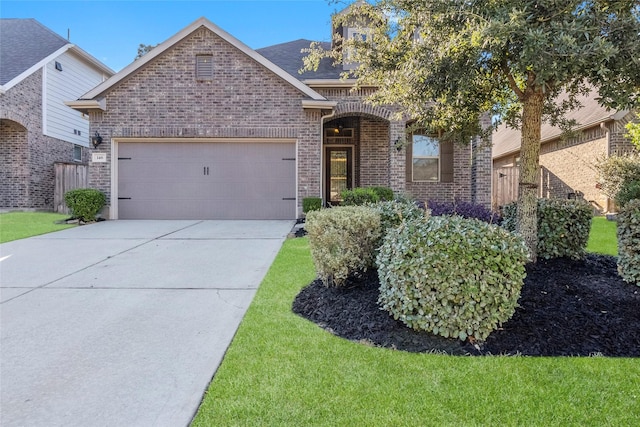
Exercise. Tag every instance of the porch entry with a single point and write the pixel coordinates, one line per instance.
(338, 172)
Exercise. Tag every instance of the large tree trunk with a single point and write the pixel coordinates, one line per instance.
(527, 224)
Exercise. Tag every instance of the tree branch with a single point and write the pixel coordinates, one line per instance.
(512, 82)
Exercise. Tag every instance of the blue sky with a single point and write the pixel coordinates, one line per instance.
(112, 30)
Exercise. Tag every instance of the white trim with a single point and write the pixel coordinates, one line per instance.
(312, 103)
(167, 44)
(113, 207)
(44, 100)
(35, 67)
(84, 105)
(325, 83)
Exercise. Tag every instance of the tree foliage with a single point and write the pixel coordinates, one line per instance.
(447, 62)
(633, 133)
(143, 49)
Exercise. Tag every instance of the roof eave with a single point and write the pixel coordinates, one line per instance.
(86, 105)
(324, 83)
(318, 104)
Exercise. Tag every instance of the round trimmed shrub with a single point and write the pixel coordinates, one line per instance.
(563, 227)
(343, 241)
(629, 242)
(451, 276)
(359, 196)
(85, 203)
(394, 212)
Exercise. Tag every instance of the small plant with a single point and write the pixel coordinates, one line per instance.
(85, 203)
(310, 204)
(617, 172)
(629, 191)
(451, 276)
(563, 227)
(359, 196)
(384, 193)
(465, 210)
(629, 242)
(343, 241)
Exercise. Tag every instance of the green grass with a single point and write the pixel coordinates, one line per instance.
(284, 370)
(19, 225)
(602, 239)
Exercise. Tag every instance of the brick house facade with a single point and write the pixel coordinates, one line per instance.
(30, 142)
(567, 166)
(251, 97)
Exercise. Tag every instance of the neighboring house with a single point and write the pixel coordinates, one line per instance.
(204, 127)
(567, 166)
(39, 70)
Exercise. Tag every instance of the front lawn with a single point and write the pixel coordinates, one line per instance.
(284, 370)
(602, 239)
(19, 225)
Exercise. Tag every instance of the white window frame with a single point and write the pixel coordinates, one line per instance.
(414, 156)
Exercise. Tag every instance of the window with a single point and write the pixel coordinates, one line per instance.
(204, 67)
(425, 158)
(77, 153)
(360, 35)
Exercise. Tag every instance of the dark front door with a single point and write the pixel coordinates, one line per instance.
(338, 172)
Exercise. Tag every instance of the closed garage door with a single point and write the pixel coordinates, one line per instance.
(204, 180)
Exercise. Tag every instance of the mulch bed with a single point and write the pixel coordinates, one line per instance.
(567, 308)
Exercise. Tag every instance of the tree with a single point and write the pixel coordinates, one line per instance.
(446, 62)
(633, 133)
(143, 49)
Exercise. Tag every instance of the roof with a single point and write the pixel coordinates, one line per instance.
(24, 43)
(288, 56)
(506, 140)
(99, 90)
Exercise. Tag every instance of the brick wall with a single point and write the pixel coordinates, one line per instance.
(26, 155)
(243, 100)
(374, 152)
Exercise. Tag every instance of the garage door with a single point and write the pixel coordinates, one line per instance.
(203, 180)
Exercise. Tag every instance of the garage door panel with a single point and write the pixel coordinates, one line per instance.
(206, 180)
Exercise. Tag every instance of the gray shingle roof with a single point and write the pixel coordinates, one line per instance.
(506, 140)
(23, 43)
(288, 56)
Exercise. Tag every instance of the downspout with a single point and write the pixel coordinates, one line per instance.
(322, 119)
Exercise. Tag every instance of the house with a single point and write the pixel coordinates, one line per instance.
(39, 70)
(567, 165)
(204, 127)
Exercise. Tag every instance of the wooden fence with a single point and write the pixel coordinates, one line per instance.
(505, 186)
(68, 176)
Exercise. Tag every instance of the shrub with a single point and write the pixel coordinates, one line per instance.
(617, 172)
(629, 242)
(629, 191)
(563, 227)
(85, 203)
(310, 204)
(465, 210)
(384, 193)
(393, 213)
(359, 196)
(343, 241)
(451, 276)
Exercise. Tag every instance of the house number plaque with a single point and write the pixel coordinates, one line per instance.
(99, 157)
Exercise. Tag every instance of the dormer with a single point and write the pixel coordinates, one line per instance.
(353, 22)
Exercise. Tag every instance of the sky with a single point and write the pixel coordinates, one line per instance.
(111, 31)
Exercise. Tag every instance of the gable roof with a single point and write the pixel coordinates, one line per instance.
(26, 45)
(288, 56)
(506, 140)
(167, 44)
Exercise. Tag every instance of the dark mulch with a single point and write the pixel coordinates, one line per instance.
(567, 308)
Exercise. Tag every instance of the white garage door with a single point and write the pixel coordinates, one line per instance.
(204, 180)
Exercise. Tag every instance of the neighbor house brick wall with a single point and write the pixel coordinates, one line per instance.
(33, 164)
(244, 99)
(571, 169)
(618, 143)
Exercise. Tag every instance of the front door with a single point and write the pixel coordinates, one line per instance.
(338, 173)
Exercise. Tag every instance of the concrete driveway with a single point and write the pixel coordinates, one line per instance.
(124, 323)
